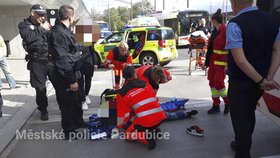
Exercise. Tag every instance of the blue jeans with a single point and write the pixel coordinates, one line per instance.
(176, 115)
(7, 72)
(1, 103)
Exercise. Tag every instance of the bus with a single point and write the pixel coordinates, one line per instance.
(270, 101)
(183, 23)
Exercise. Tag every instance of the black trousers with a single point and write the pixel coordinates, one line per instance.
(86, 84)
(40, 72)
(70, 104)
(142, 128)
(243, 98)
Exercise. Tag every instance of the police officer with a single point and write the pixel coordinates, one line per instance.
(66, 55)
(34, 32)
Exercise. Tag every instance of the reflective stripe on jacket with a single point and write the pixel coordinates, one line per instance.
(139, 103)
(219, 56)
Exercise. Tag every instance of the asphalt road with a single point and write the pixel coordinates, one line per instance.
(215, 143)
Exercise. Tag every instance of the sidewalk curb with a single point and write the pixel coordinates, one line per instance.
(18, 120)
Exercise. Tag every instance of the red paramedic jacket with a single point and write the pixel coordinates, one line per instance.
(118, 61)
(219, 57)
(144, 73)
(137, 100)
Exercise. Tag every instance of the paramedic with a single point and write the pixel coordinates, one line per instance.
(117, 59)
(217, 65)
(137, 100)
(154, 75)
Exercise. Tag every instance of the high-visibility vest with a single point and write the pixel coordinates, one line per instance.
(118, 61)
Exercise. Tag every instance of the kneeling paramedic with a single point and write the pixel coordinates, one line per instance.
(137, 101)
(153, 75)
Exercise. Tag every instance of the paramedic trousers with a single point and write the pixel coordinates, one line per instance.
(140, 132)
(118, 73)
(243, 98)
(216, 77)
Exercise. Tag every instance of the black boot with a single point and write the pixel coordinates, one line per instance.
(189, 114)
(71, 135)
(213, 110)
(44, 116)
(233, 146)
(226, 110)
(151, 140)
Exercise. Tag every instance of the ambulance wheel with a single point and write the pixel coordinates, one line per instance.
(148, 59)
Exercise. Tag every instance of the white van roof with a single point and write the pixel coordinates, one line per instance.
(144, 21)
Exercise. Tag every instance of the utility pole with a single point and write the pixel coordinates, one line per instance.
(188, 3)
(163, 4)
(226, 11)
(131, 10)
(210, 7)
(155, 5)
(109, 17)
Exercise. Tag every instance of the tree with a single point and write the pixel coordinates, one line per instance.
(118, 17)
(124, 13)
(112, 15)
(142, 8)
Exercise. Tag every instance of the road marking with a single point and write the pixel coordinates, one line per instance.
(57, 118)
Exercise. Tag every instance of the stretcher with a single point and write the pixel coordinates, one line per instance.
(197, 52)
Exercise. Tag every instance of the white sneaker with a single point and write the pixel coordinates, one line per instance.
(84, 106)
(88, 101)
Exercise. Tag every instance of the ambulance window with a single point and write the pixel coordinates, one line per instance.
(154, 35)
(167, 34)
(114, 38)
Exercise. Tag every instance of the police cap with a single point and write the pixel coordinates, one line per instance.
(40, 10)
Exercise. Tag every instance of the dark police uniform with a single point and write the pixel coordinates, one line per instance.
(63, 48)
(258, 36)
(35, 43)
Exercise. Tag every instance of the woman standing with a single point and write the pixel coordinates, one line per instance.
(217, 57)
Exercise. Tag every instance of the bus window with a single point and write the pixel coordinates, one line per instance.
(183, 23)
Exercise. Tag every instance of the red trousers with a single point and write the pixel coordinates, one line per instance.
(216, 77)
(132, 133)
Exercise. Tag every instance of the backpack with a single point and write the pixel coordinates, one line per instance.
(173, 105)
